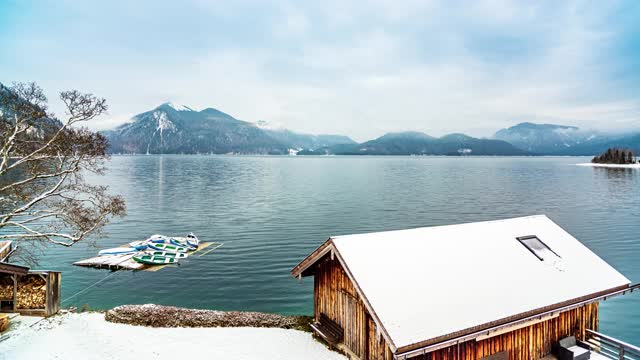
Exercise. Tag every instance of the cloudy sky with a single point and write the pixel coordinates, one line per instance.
(356, 68)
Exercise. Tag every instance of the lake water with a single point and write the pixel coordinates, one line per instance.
(270, 212)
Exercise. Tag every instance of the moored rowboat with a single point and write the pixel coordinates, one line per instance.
(177, 255)
(154, 259)
(157, 238)
(139, 245)
(182, 242)
(116, 251)
(188, 241)
(168, 247)
(193, 240)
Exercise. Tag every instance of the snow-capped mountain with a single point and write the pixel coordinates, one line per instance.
(545, 138)
(178, 107)
(300, 141)
(171, 128)
(550, 139)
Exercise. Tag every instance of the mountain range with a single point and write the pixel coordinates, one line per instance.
(550, 139)
(417, 143)
(180, 129)
(169, 129)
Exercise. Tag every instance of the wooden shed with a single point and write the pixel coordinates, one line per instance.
(29, 292)
(507, 289)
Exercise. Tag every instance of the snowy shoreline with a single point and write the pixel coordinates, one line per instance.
(613, 166)
(90, 336)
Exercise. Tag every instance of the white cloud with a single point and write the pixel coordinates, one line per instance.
(293, 23)
(360, 70)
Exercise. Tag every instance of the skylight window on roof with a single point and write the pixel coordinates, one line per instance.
(538, 248)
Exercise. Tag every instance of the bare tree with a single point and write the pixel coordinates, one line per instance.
(44, 197)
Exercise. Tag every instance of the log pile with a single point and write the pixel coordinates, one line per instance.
(5, 248)
(6, 287)
(32, 290)
(4, 322)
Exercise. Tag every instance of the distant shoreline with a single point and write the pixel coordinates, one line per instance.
(356, 155)
(613, 166)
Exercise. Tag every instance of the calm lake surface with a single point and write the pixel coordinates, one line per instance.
(270, 212)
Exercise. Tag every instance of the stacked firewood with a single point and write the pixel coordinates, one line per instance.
(32, 290)
(4, 322)
(6, 287)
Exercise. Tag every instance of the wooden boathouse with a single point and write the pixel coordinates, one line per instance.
(506, 289)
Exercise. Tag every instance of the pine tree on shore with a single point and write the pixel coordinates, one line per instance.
(615, 156)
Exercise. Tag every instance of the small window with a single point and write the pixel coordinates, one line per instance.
(538, 248)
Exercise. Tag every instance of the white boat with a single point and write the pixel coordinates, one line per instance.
(181, 241)
(119, 250)
(193, 240)
(140, 245)
(158, 239)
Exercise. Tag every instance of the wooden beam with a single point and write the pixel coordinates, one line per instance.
(507, 329)
(15, 291)
(13, 269)
(312, 258)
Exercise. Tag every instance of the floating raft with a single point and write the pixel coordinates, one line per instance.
(126, 262)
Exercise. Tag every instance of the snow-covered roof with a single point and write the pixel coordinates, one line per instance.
(427, 283)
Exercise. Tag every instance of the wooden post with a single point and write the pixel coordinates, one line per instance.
(15, 292)
(47, 296)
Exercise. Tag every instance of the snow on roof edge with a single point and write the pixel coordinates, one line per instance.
(336, 237)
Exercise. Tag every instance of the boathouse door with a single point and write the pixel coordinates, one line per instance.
(355, 324)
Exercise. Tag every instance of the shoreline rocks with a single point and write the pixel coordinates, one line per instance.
(170, 316)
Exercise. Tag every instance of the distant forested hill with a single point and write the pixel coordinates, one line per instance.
(550, 139)
(416, 143)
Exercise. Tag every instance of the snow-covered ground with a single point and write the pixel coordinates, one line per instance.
(88, 336)
(618, 166)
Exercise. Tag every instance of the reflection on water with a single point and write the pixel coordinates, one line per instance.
(272, 211)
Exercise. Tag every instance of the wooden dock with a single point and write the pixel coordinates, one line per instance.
(126, 262)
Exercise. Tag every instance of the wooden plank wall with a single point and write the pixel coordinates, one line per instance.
(355, 324)
(377, 346)
(336, 297)
(329, 282)
(532, 342)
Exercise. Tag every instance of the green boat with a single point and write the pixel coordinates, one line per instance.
(182, 242)
(155, 259)
(168, 247)
(177, 255)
